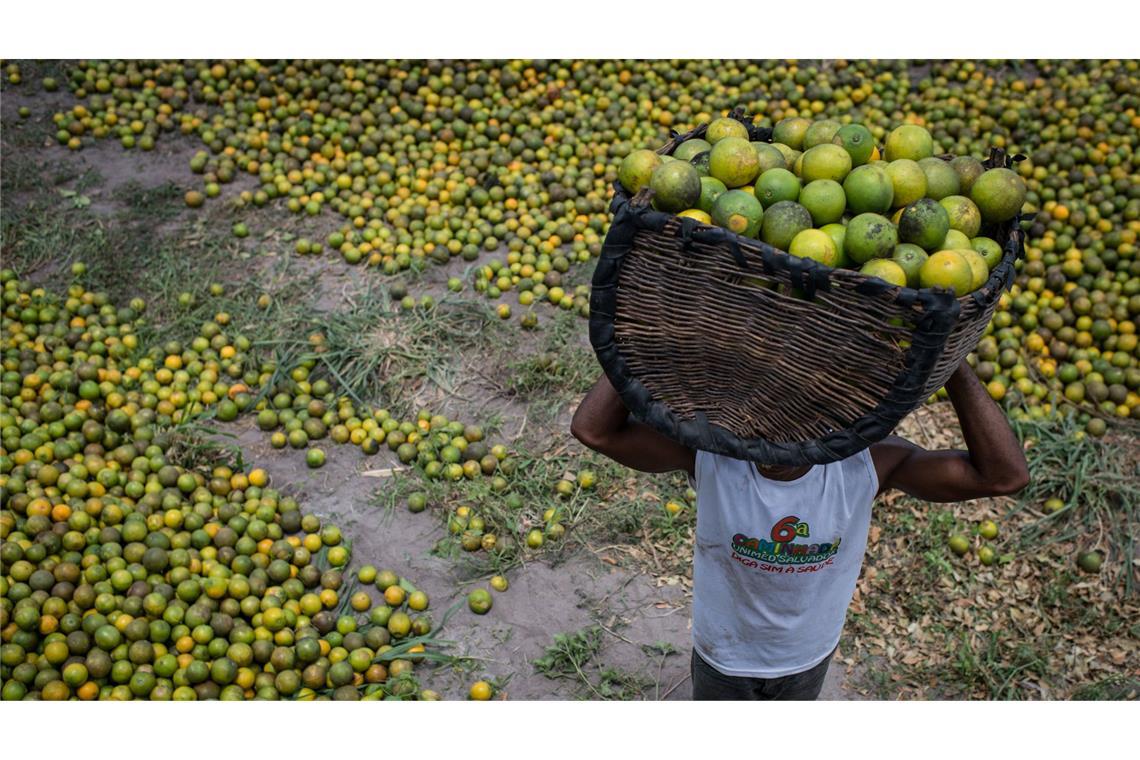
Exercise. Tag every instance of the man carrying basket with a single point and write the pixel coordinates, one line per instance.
(778, 549)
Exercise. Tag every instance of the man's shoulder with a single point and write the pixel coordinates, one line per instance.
(715, 466)
(891, 446)
(888, 453)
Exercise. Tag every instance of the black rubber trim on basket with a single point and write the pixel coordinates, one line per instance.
(939, 314)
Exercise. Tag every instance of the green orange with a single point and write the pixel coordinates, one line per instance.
(1090, 562)
(870, 236)
(777, 185)
(724, 127)
(791, 155)
(947, 270)
(770, 156)
(676, 186)
(838, 233)
(734, 162)
(911, 258)
(980, 273)
(954, 241)
(885, 269)
(908, 141)
(857, 141)
(825, 161)
(990, 250)
(689, 149)
(869, 188)
(964, 214)
(791, 132)
(479, 601)
(820, 132)
(968, 169)
(907, 180)
(637, 168)
(999, 195)
(825, 201)
(941, 179)
(738, 211)
(924, 223)
(782, 222)
(816, 245)
(711, 188)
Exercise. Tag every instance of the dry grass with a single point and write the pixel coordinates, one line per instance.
(934, 625)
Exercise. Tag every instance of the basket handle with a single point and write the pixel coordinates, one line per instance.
(999, 159)
(688, 232)
(734, 249)
(755, 133)
(688, 227)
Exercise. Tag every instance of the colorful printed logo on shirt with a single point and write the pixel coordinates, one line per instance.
(785, 546)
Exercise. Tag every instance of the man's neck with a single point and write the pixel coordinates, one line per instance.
(782, 472)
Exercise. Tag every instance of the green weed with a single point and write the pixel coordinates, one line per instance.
(1098, 484)
(572, 655)
(380, 354)
(1112, 688)
(614, 683)
(512, 506)
(42, 237)
(197, 446)
(996, 665)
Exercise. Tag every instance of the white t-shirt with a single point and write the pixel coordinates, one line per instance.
(775, 562)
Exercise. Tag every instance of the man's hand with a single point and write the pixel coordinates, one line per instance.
(602, 423)
(993, 465)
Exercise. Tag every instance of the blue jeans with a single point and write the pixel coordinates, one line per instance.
(710, 684)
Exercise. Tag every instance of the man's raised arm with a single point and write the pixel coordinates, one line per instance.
(603, 424)
(993, 464)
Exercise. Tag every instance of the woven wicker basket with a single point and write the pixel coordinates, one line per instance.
(729, 345)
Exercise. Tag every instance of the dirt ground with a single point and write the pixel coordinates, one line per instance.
(639, 611)
(645, 623)
(634, 612)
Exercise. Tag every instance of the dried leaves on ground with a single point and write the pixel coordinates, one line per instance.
(932, 624)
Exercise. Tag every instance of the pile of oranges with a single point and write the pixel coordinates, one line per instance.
(127, 575)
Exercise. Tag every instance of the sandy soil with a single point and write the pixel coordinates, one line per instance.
(635, 611)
